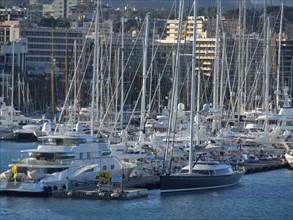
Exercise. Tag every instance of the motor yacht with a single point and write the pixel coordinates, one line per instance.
(61, 161)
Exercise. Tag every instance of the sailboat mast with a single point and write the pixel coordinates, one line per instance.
(122, 73)
(12, 72)
(74, 83)
(144, 72)
(279, 57)
(240, 69)
(264, 53)
(175, 76)
(216, 71)
(66, 74)
(96, 40)
(267, 71)
(52, 77)
(193, 88)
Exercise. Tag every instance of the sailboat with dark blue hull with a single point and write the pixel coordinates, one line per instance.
(203, 174)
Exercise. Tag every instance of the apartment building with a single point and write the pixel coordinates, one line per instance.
(62, 8)
(45, 44)
(10, 39)
(205, 47)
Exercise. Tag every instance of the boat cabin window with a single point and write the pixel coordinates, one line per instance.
(64, 141)
(223, 171)
(202, 172)
(272, 122)
(51, 156)
(288, 123)
(104, 167)
(54, 170)
(112, 167)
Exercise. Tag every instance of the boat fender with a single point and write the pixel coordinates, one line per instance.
(102, 194)
(115, 195)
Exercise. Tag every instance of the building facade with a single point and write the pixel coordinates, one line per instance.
(62, 8)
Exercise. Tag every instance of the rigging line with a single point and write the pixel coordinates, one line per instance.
(84, 73)
(148, 72)
(72, 82)
(165, 66)
(120, 78)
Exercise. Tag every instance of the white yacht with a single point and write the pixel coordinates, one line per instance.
(10, 119)
(61, 161)
(289, 157)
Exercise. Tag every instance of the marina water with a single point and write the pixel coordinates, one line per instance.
(266, 195)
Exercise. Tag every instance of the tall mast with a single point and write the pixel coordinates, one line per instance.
(216, 70)
(267, 72)
(66, 74)
(52, 77)
(264, 53)
(279, 57)
(12, 70)
(175, 76)
(109, 64)
(122, 72)
(144, 72)
(193, 89)
(74, 83)
(95, 68)
(78, 76)
(239, 93)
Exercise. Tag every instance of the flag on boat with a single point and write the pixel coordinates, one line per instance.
(14, 171)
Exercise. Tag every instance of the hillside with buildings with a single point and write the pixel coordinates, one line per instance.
(48, 40)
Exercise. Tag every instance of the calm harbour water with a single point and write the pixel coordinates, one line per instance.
(267, 195)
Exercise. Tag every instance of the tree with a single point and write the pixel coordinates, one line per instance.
(47, 22)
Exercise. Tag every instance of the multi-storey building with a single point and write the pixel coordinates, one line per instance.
(9, 35)
(62, 8)
(13, 13)
(43, 43)
(10, 3)
(205, 47)
(243, 58)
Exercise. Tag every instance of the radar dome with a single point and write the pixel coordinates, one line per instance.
(181, 107)
(79, 128)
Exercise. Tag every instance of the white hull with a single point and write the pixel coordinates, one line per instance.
(6, 135)
(289, 158)
(29, 188)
